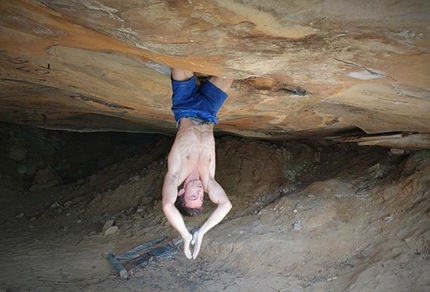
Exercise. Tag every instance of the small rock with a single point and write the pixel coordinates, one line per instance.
(136, 216)
(135, 178)
(107, 225)
(54, 205)
(68, 204)
(146, 200)
(156, 204)
(396, 151)
(388, 219)
(20, 215)
(177, 241)
(297, 224)
(45, 178)
(17, 153)
(317, 157)
(111, 230)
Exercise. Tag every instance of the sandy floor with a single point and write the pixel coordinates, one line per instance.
(362, 220)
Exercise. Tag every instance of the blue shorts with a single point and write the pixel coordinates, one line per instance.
(201, 103)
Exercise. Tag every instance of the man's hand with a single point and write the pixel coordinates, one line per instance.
(187, 242)
(197, 241)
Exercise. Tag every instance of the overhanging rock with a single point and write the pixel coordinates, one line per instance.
(302, 68)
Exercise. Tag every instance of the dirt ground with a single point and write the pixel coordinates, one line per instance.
(307, 215)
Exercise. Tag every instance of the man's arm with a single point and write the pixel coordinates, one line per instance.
(170, 193)
(219, 197)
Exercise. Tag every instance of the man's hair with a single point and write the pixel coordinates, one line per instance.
(180, 205)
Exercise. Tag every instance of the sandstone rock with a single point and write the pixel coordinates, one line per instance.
(111, 231)
(297, 224)
(302, 68)
(45, 178)
(107, 225)
(17, 153)
(27, 167)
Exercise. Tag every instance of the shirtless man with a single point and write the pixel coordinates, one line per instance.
(191, 161)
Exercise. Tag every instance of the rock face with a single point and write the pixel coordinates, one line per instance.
(303, 68)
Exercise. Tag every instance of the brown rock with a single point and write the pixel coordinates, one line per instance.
(313, 75)
(45, 178)
(111, 231)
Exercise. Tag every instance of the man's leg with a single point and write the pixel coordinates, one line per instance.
(222, 83)
(181, 75)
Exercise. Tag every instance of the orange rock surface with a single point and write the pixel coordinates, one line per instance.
(302, 68)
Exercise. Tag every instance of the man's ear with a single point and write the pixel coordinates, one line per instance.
(181, 192)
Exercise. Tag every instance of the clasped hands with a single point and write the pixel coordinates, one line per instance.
(194, 239)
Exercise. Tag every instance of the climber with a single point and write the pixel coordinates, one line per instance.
(191, 161)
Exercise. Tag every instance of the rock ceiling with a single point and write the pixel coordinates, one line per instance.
(355, 71)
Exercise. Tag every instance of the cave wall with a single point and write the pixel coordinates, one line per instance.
(302, 68)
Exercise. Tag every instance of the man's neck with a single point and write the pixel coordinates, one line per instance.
(185, 184)
(192, 177)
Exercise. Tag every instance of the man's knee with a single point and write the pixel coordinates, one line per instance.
(222, 83)
(181, 75)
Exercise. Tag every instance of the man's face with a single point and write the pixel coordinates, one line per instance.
(193, 196)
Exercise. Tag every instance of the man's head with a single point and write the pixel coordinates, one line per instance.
(190, 198)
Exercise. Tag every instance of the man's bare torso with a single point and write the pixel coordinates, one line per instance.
(195, 147)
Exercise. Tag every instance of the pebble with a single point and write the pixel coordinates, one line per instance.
(111, 230)
(55, 205)
(146, 200)
(388, 219)
(107, 225)
(135, 178)
(68, 204)
(297, 224)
